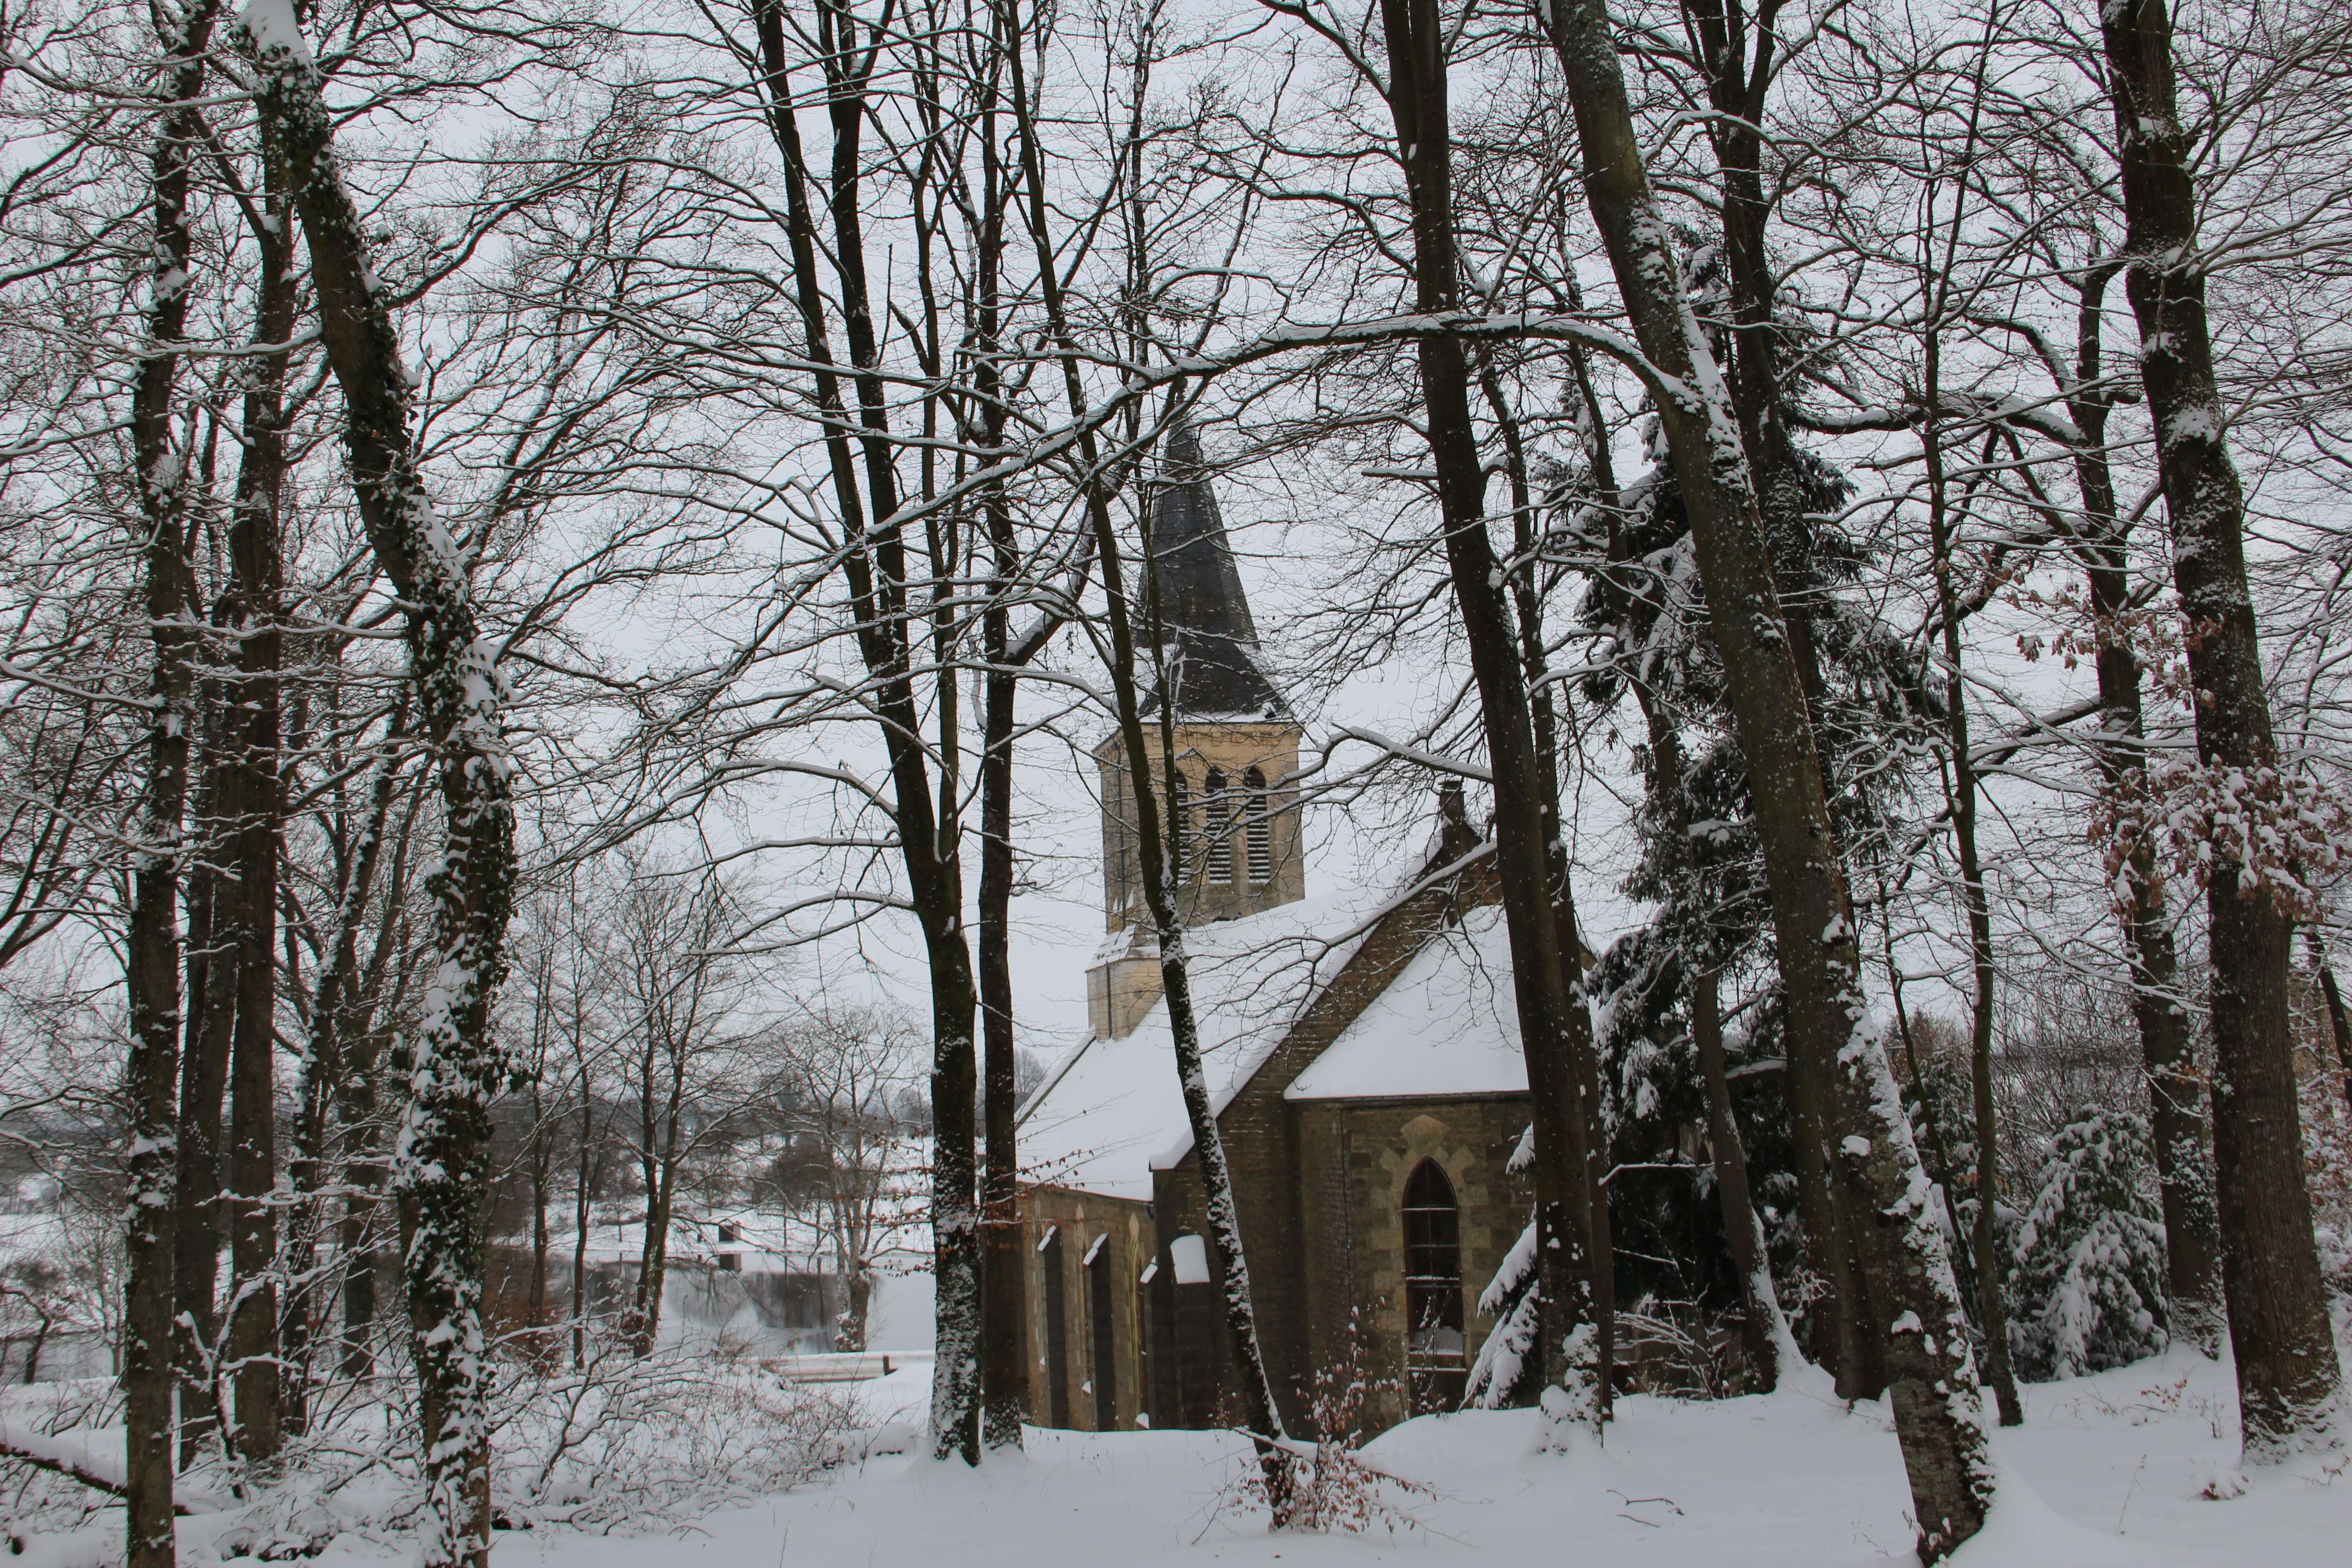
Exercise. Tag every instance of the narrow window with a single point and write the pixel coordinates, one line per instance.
(1432, 1286)
(1151, 1332)
(1056, 1365)
(1195, 1330)
(1119, 823)
(1221, 830)
(1104, 1381)
(1261, 830)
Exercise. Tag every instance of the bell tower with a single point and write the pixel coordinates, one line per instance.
(1236, 809)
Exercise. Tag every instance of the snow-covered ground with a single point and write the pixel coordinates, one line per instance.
(2129, 1468)
(2107, 1469)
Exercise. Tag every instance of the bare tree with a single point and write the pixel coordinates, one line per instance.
(2288, 1378)
(1932, 1379)
(454, 1068)
(845, 1090)
(151, 959)
(1555, 1023)
(678, 995)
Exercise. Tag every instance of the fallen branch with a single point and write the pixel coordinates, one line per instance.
(63, 1457)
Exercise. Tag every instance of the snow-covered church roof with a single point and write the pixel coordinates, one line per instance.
(1444, 1027)
(1447, 1026)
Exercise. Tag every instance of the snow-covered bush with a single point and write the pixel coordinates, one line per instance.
(2086, 1289)
(1330, 1486)
(659, 1438)
(621, 1443)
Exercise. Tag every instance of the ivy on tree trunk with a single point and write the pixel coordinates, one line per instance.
(452, 1065)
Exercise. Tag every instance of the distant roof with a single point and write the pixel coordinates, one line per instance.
(1213, 652)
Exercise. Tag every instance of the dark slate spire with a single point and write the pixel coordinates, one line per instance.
(1214, 656)
(1200, 590)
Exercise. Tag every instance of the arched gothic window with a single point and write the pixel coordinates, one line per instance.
(1219, 829)
(1260, 834)
(1432, 1286)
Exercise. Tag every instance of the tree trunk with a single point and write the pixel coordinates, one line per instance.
(540, 1237)
(152, 943)
(955, 1210)
(1764, 1331)
(1737, 85)
(874, 567)
(2338, 1027)
(644, 1297)
(2288, 1379)
(1909, 1285)
(1004, 1308)
(252, 938)
(451, 1062)
(1939, 1148)
(359, 1051)
(1993, 1315)
(306, 1168)
(204, 1089)
(1161, 859)
(40, 1341)
(326, 1082)
(652, 1279)
(661, 1190)
(1552, 1017)
(2176, 1093)
(859, 1281)
(355, 1115)
(1227, 1260)
(1527, 599)
(583, 1193)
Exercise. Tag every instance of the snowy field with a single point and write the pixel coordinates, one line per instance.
(2107, 1469)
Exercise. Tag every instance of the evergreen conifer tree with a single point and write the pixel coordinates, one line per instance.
(2088, 1281)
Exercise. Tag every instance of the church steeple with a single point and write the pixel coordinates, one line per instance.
(1237, 751)
(1200, 587)
(1204, 614)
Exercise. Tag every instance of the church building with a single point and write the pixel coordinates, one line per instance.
(1363, 1054)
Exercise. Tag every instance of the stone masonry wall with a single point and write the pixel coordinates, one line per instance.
(1274, 1182)
(1357, 1155)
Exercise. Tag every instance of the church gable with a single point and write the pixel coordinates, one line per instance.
(1383, 955)
(1445, 1027)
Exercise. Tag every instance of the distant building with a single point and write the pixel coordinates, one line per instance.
(1366, 1068)
(733, 1282)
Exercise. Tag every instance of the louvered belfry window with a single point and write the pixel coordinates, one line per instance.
(1220, 854)
(1260, 834)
